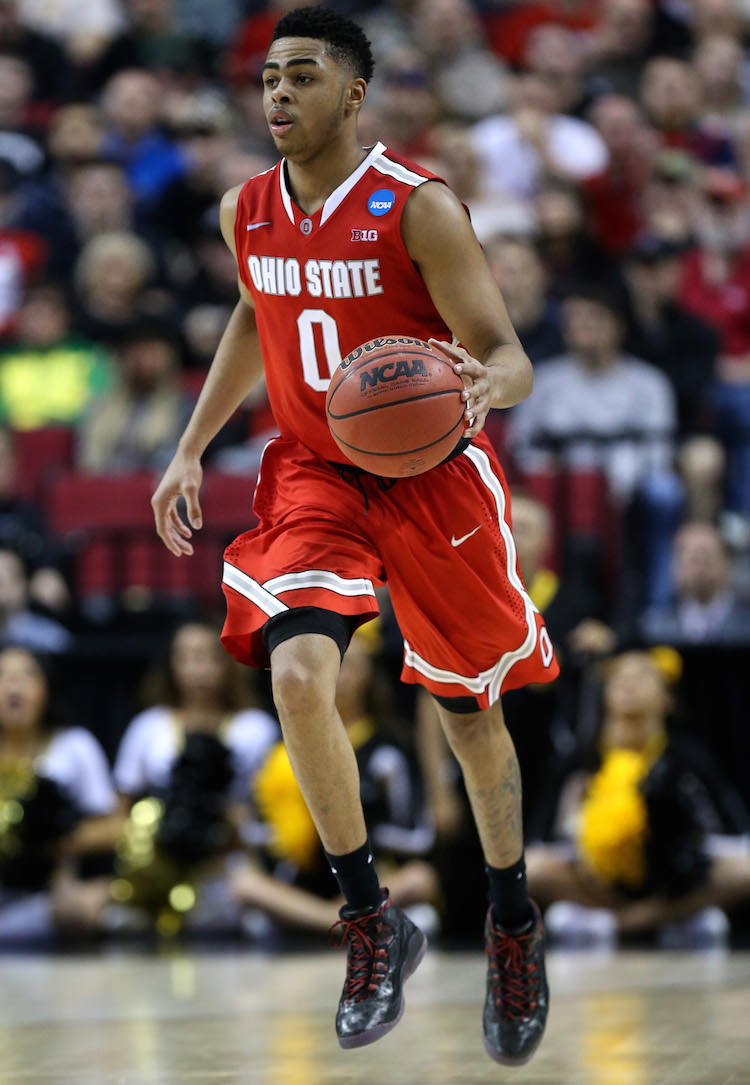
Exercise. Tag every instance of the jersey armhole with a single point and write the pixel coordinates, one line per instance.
(427, 180)
(241, 263)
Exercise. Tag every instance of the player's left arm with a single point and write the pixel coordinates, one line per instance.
(441, 242)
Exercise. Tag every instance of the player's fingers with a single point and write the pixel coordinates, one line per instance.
(194, 515)
(457, 356)
(163, 507)
(178, 523)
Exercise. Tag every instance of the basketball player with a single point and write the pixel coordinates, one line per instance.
(336, 245)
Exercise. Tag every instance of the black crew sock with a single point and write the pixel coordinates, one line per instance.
(355, 873)
(509, 896)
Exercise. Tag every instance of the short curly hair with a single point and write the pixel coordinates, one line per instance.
(346, 41)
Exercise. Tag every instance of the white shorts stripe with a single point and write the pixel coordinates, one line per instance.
(319, 578)
(482, 463)
(252, 590)
(476, 684)
(492, 679)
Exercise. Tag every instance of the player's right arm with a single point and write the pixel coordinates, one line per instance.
(236, 367)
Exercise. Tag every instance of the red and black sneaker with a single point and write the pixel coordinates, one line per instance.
(385, 947)
(515, 1010)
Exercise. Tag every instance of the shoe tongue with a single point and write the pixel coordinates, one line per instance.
(360, 913)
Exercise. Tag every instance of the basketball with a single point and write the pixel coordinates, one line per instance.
(394, 406)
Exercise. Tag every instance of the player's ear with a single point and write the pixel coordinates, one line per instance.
(355, 95)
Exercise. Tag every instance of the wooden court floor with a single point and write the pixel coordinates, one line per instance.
(133, 1019)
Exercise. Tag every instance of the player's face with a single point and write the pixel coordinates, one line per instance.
(304, 96)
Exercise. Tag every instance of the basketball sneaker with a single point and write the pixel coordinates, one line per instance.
(515, 1010)
(384, 948)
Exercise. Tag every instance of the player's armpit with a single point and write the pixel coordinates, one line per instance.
(227, 216)
(440, 240)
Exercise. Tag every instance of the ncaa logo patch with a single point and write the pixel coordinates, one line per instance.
(381, 202)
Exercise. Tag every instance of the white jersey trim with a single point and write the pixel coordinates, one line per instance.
(339, 194)
(400, 173)
(286, 199)
(252, 590)
(492, 679)
(319, 578)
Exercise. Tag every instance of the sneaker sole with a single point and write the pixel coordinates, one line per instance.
(373, 1034)
(506, 1060)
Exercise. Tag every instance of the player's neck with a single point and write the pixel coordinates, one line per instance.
(312, 182)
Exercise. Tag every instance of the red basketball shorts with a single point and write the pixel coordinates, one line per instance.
(442, 541)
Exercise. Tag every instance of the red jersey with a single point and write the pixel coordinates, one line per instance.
(324, 283)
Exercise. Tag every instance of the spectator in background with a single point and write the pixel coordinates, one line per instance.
(716, 287)
(534, 140)
(718, 17)
(470, 82)
(615, 198)
(457, 162)
(48, 375)
(59, 777)
(18, 623)
(136, 426)
(635, 825)
(100, 200)
(23, 530)
(202, 126)
(112, 276)
(19, 127)
(670, 93)
(26, 37)
(82, 32)
(595, 406)
(74, 138)
(407, 106)
(196, 750)
(132, 105)
(153, 40)
(619, 46)
(662, 331)
(704, 607)
(567, 249)
(520, 274)
(23, 252)
(558, 56)
(720, 63)
(670, 198)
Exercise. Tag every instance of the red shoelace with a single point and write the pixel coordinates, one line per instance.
(512, 974)
(367, 962)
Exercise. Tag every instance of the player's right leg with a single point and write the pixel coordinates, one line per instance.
(384, 946)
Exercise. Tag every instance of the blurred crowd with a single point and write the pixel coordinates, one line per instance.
(603, 151)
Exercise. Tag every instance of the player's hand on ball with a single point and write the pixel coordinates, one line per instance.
(475, 377)
(181, 479)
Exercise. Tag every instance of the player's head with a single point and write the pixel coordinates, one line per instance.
(315, 79)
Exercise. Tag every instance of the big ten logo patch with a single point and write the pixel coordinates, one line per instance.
(364, 235)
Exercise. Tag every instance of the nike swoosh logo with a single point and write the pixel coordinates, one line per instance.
(457, 542)
(255, 225)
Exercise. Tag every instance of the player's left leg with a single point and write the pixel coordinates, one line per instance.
(516, 1003)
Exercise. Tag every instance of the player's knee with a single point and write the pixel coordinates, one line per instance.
(468, 732)
(299, 690)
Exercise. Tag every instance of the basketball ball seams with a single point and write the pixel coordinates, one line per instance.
(391, 403)
(408, 380)
(406, 451)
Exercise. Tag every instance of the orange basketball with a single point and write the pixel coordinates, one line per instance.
(394, 406)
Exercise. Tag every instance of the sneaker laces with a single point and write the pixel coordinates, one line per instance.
(367, 961)
(513, 972)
